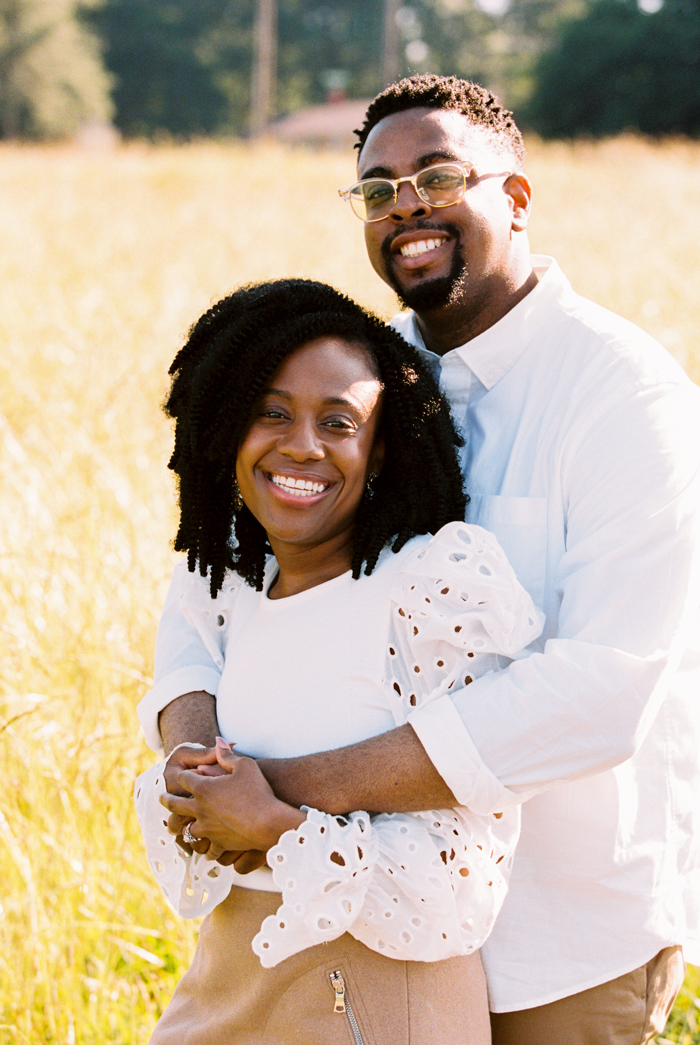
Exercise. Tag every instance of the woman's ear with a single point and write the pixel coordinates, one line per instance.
(518, 188)
(376, 457)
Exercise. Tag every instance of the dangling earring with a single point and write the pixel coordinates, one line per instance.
(369, 490)
(237, 499)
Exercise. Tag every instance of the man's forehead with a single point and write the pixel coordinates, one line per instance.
(406, 141)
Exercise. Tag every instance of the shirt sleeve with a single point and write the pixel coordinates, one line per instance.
(415, 887)
(189, 651)
(629, 589)
(192, 885)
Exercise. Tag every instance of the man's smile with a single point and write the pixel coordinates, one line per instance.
(421, 246)
(413, 249)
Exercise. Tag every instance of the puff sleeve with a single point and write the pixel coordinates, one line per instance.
(192, 885)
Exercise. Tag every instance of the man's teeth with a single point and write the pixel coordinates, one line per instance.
(409, 250)
(299, 487)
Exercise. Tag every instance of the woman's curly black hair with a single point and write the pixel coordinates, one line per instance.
(220, 373)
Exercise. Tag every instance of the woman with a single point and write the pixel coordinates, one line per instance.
(313, 431)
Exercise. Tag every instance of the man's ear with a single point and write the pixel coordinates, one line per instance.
(518, 188)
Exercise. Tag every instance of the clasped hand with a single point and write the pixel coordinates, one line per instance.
(231, 809)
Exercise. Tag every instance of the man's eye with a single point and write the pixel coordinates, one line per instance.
(377, 192)
(448, 179)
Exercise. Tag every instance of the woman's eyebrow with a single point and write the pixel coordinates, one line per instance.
(339, 401)
(327, 401)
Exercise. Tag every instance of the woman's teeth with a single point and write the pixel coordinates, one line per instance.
(298, 487)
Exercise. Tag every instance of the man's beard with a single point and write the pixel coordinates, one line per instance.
(434, 293)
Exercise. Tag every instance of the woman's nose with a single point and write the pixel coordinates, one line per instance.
(301, 442)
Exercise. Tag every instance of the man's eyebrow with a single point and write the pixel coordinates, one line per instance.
(442, 155)
(377, 172)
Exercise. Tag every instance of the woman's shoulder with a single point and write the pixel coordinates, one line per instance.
(462, 571)
(457, 548)
(194, 588)
(457, 544)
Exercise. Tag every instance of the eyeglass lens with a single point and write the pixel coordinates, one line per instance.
(438, 186)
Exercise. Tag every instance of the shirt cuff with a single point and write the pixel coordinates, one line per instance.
(449, 747)
(185, 680)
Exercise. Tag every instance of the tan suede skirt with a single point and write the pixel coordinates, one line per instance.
(227, 998)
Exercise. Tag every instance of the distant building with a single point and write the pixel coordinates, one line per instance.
(331, 124)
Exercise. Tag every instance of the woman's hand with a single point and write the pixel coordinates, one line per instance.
(204, 761)
(237, 811)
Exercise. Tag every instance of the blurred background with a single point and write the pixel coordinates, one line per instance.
(153, 155)
(233, 67)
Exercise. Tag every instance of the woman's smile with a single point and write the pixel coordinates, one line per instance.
(299, 486)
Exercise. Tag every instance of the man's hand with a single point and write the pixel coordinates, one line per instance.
(244, 862)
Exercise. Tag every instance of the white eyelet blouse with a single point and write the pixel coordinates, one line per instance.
(330, 666)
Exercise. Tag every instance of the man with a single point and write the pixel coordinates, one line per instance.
(583, 456)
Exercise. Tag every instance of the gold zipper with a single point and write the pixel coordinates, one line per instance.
(342, 1004)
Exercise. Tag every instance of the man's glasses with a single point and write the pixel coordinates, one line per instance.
(439, 186)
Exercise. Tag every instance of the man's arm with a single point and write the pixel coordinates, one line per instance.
(391, 772)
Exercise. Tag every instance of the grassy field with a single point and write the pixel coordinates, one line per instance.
(105, 260)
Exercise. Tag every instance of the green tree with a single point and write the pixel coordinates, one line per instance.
(184, 66)
(52, 79)
(621, 68)
(166, 60)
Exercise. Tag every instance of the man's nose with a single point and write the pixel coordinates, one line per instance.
(408, 205)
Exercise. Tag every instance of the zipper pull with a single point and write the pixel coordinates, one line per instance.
(339, 988)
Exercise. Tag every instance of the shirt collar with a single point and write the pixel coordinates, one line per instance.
(492, 353)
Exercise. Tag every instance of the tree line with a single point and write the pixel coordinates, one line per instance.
(184, 67)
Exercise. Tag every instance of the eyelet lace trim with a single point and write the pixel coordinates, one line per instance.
(192, 885)
(420, 887)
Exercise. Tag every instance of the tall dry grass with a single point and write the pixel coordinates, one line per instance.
(105, 259)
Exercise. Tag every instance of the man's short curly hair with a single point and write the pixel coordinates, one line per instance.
(224, 367)
(446, 92)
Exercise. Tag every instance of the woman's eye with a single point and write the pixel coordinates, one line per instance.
(337, 422)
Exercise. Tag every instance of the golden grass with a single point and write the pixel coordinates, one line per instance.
(106, 258)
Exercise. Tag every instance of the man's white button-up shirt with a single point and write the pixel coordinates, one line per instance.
(583, 457)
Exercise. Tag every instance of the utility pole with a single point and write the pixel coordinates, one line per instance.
(392, 40)
(264, 78)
